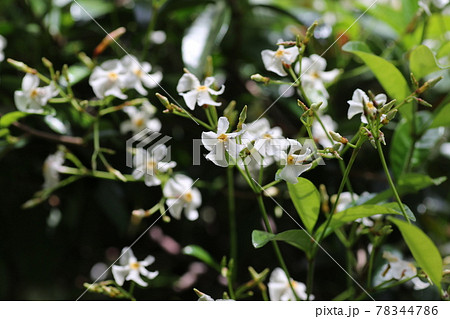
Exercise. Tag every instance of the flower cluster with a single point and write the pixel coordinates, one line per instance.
(114, 76)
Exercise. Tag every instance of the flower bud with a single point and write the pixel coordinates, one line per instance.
(242, 118)
(21, 66)
(387, 107)
(316, 106)
(414, 81)
(338, 138)
(423, 102)
(310, 32)
(259, 78)
(428, 85)
(46, 62)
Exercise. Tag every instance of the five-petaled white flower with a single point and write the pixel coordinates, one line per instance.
(314, 77)
(193, 92)
(51, 169)
(32, 98)
(140, 118)
(137, 74)
(267, 141)
(221, 143)
(318, 132)
(280, 290)
(357, 106)
(275, 61)
(2, 47)
(181, 195)
(400, 269)
(149, 163)
(132, 269)
(108, 79)
(294, 162)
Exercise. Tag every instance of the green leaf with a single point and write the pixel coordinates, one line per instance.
(407, 184)
(394, 206)
(422, 62)
(96, 8)
(207, 30)
(390, 78)
(402, 143)
(423, 250)
(296, 237)
(201, 254)
(9, 118)
(353, 213)
(306, 199)
(442, 118)
(77, 73)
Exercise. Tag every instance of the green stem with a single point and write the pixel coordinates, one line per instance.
(232, 221)
(274, 243)
(271, 184)
(132, 285)
(310, 277)
(97, 174)
(391, 183)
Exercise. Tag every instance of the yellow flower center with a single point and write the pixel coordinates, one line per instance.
(134, 265)
(202, 88)
(294, 283)
(268, 136)
(138, 73)
(290, 160)
(34, 93)
(113, 76)
(151, 165)
(222, 137)
(315, 75)
(139, 122)
(370, 105)
(279, 53)
(187, 197)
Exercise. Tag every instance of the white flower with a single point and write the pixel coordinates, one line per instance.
(280, 290)
(319, 134)
(221, 143)
(108, 79)
(268, 141)
(205, 297)
(425, 5)
(293, 162)
(181, 195)
(137, 74)
(400, 269)
(314, 76)
(32, 98)
(131, 269)
(51, 169)
(274, 60)
(140, 118)
(357, 106)
(149, 163)
(193, 92)
(3, 43)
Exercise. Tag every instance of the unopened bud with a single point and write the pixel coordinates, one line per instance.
(428, 85)
(381, 137)
(65, 72)
(387, 107)
(242, 118)
(414, 81)
(46, 62)
(423, 102)
(389, 117)
(338, 137)
(310, 32)
(164, 101)
(302, 105)
(21, 66)
(259, 78)
(86, 60)
(316, 106)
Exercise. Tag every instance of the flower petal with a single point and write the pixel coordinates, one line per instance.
(187, 82)
(190, 98)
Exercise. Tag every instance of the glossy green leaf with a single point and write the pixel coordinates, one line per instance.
(95, 8)
(442, 118)
(207, 30)
(353, 213)
(201, 254)
(423, 250)
(296, 237)
(395, 206)
(77, 73)
(407, 184)
(402, 143)
(9, 118)
(390, 78)
(422, 62)
(306, 199)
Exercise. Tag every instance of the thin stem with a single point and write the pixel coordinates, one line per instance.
(274, 243)
(310, 277)
(391, 183)
(232, 220)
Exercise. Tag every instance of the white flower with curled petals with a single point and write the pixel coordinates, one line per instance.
(149, 163)
(221, 144)
(51, 168)
(131, 269)
(280, 289)
(140, 119)
(108, 79)
(294, 163)
(357, 106)
(399, 269)
(274, 61)
(181, 195)
(193, 92)
(137, 75)
(2, 47)
(32, 98)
